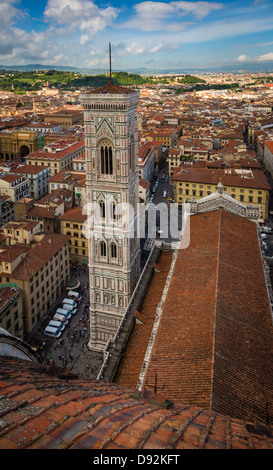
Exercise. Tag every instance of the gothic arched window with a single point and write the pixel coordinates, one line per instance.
(106, 158)
(102, 209)
(103, 248)
(132, 153)
(113, 250)
(113, 212)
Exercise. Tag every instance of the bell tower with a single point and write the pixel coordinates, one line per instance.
(111, 153)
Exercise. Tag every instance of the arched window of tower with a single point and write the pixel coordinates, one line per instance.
(106, 158)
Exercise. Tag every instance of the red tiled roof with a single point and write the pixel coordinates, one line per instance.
(214, 346)
(47, 408)
(210, 176)
(269, 145)
(31, 169)
(39, 254)
(111, 88)
(144, 183)
(74, 214)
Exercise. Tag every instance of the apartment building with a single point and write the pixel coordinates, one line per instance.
(65, 179)
(41, 271)
(66, 118)
(6, 209)
(14, 186)
(268, 156)
(79, 163)
(174, 159)
(80, 193)
(159, 154)
(167, 136)
(43, 128)
(71, 224)
(57, 156)
(146, 161)
(246, 186)
(11, 309)
(21, 232)
(45, 210)
(38, 179)
(193, 148)
(144, 190)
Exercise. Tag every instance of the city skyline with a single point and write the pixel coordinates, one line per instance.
(149, 34)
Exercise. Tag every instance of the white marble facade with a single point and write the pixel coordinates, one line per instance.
(111, 150)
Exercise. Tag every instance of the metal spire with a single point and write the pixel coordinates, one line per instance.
(110, 60)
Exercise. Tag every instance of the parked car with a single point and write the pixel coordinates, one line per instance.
(57, 324)
(266, 229)
(70, 302)
(70, 308)
(62, 318)
(74, 295)
(64, 311)
(52, 331)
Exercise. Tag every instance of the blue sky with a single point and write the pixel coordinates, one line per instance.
(146, 34)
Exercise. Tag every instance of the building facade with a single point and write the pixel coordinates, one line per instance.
(38, 179)
(111, 151)
(41, 271)
(246, 186)
(71, 223)
(14, 186)
(11, 309)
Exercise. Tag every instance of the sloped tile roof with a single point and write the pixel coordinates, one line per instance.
(40, 408)
(214, 346)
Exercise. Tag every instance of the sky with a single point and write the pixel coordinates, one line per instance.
(148, 34)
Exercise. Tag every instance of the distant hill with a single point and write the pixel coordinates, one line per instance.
(234, 68)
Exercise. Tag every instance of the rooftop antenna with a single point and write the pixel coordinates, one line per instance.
(110, 61)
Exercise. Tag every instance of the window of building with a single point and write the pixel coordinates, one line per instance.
(106, 158)
(103, 248)
(102, 209)
(113, 250)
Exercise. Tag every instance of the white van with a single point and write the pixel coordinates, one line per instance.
(62, 318)
(70, 302)
(74, 295)
(65, 312)
(165, 194)
(266, 229)
(70, 308)
(51, 331)
(57, 324)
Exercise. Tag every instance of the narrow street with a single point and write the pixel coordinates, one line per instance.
(70, 350)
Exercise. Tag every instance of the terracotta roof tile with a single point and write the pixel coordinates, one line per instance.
(44, 410)
(215, 341)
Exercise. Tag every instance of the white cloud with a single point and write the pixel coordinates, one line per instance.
(155, 16)
(264, 57)
(84, 38)
(82, 14)
(242, 58)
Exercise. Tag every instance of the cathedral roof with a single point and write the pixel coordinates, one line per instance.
(214, 339)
